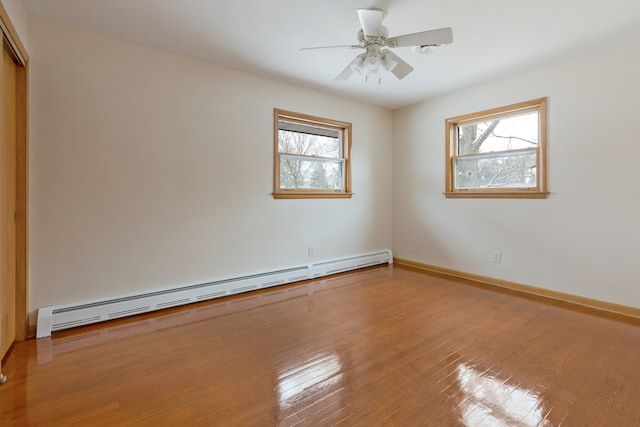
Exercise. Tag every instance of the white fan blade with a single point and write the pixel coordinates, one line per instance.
(425, 38)
(371, 21)
(402, 69)
(346, 46)
(346, 73)
(355, 66)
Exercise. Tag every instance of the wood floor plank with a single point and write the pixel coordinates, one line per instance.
(384, 346)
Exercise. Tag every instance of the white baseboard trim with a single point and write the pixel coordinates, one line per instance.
(57, 318)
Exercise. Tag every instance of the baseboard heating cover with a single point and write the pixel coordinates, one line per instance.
(58, 318)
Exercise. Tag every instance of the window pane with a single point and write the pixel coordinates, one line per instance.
(516, 170)
(296, 173)
(510, 133)
(295, 138)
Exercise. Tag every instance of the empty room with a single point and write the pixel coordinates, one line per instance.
(354, 213)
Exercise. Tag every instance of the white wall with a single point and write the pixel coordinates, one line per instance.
(585, 238)
(18, 15)
(151, 170)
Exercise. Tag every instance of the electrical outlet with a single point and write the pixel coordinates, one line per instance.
(310, 251)
(497, 257)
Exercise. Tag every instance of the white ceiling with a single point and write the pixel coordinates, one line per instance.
(492, 38)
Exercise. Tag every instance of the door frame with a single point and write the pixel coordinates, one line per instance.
(22, 174)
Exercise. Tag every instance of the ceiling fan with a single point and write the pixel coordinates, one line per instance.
(374, 39)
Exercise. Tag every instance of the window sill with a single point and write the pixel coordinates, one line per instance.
(497, 195)
(302, 195)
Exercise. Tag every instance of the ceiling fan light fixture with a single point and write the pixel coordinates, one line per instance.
(373, 62)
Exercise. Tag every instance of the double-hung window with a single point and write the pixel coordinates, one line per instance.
(498, 153)
(311, 157)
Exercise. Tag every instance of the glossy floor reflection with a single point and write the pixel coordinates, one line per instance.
(310, 383)
(380, 347)
(490, 400)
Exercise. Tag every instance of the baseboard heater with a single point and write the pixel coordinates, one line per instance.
(58, 318)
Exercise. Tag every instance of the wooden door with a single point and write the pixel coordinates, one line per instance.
(7, 201)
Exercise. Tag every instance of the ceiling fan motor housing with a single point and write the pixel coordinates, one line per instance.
(384, 34)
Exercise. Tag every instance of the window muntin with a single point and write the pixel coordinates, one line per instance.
(311, 156)
(498, 153)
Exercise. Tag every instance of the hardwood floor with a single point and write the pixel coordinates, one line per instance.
(385, 346)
